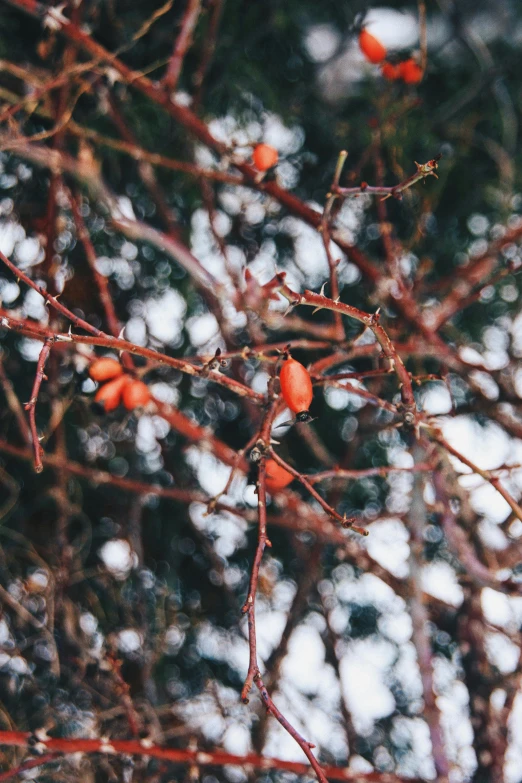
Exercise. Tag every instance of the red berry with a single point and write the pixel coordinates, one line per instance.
(109, 395)
(264, 157)
(105, 369)
(410, 72)
(371, 47)
(296, 387)
(391, 72)
(277, 478)
(136, 395)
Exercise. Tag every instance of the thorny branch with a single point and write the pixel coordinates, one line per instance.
(31, 405)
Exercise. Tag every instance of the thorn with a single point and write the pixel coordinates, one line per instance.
(316, 310)
(321, 293)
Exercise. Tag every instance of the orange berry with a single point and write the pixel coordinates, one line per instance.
(276, 477)
(264, 157)
(109, 395)
(296, 388)
(391, 72)
(410, 72)
(136, 395)
(371, 47)
(105, 369)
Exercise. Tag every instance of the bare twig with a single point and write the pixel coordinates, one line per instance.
(31, 405)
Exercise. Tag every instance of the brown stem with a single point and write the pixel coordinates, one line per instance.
(310, 299)
(347, 522)
(31, 405)
(486, 474)
(106, 341)
(14, 403)
(146, 747)
(182, 45)
(420, 617)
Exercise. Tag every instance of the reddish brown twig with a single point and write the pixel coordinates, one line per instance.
(305, 746)
(465, 279)
(249, 608)
(41, 761)
(53, 301)
(31, 405)
(118, 344)
(347, 522)
(325, 232)
(487, 475)
(423, 170)
(208, 51)
(182, 45)
(90, 254)
(320, 302)
(341, 473)
(14, 403)
(419, 617)
(146, 747)
(461, 546)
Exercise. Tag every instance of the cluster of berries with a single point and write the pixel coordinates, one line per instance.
(118, 387)
(407, 71)
(297, 392)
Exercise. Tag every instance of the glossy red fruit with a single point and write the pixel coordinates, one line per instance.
(391, 72)
(296, 388)
(371, 47)
(109, 395)
(277, 478)
(136, 394)
(105, 369)
(410, 72)
(264, 157)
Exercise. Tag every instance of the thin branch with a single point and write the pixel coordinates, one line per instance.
(325, 232)
(182, 45)
(28, 765)
(14, 403)
(346, 522)
(320, 302)
(208, 51)
(487, 475)
(118, 344)
(420, 617)
(385, 470)
(423, 170)
(146, 747)
(31, 405)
